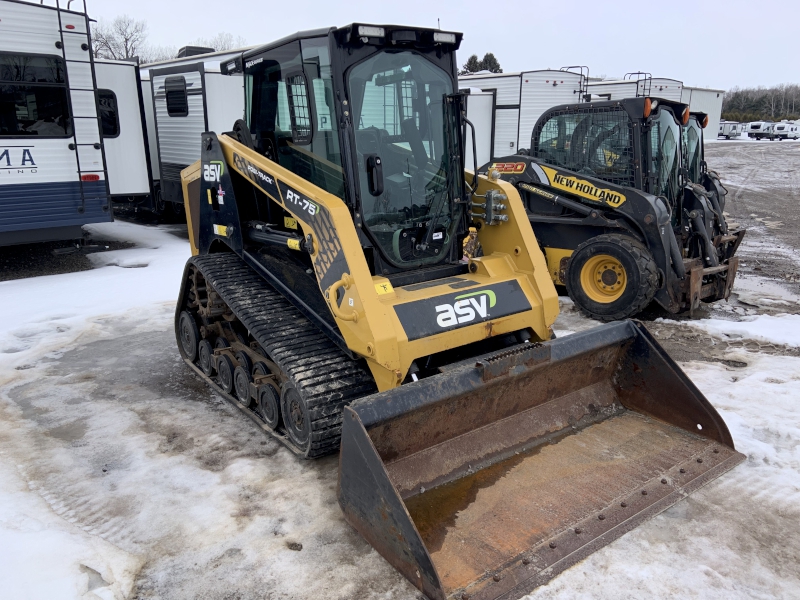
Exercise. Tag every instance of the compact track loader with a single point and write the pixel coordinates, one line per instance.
(625, 207)
(328, 298)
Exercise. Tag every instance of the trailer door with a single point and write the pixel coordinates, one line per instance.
(180, 114)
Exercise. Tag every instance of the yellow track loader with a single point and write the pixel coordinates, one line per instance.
(330, 298)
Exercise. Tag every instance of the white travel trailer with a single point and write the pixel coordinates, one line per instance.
(760, 130)
(183, 98)
(707, 101)
(53, 176)
(729, 129)
(635, 85)
(520, 99)
(786, 130)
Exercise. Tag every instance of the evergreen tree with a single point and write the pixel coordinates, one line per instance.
(490, 63)
(473, 65)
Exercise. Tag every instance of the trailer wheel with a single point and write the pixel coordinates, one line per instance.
(611, 277)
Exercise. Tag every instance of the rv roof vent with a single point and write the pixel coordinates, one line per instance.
(193, 51)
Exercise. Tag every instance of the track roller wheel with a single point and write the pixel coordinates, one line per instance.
(221, 342)
(225, 373)
(205, 353)
(244, 361)
(260, 368)
(269, 399)
(611, 277)
(189, 335)
(241, 383)
(296, 419)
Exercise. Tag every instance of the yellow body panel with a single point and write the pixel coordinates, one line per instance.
(366, 316)
(190, 183)
(554, 257)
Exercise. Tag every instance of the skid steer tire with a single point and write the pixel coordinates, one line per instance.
(611, 277)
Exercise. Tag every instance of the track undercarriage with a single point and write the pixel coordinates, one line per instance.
(256, 350)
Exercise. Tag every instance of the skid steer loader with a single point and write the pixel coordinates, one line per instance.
(329, 299)
(625, 210)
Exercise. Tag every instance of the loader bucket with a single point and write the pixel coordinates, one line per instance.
(492, 477)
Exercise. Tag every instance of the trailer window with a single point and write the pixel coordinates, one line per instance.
(596, 142)
(33, 97)
(177, 99)
(109, 117)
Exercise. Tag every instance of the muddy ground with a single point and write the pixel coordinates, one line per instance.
(131, 448)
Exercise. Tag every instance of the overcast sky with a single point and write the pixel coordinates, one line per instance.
(704, 43)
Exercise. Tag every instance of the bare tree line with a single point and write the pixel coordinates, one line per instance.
(762, 103)
(126, 38)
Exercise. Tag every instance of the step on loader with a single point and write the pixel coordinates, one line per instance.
(329, 298)
(625, 207)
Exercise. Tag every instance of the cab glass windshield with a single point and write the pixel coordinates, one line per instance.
(405, 141)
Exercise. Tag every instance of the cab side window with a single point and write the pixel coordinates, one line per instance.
(290, 111)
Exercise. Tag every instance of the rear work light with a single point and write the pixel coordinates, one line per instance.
(445, 38)
(90, 177)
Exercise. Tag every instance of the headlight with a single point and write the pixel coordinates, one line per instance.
(445, 38)
(367, 31)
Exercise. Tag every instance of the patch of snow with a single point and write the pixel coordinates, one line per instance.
(48, 313)
(778, 329)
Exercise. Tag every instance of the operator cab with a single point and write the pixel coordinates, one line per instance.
(635, 142)
(369, 114)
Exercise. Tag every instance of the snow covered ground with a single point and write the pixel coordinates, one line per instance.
(123, 476)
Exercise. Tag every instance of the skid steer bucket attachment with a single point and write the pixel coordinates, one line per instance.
(492, 477)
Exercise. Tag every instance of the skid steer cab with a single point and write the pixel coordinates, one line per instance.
(621, 200)
(353, 288)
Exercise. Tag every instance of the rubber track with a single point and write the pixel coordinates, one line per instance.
(326, 378)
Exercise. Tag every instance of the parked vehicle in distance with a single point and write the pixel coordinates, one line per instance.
(786, 130)
(761, 130)
(730, 129)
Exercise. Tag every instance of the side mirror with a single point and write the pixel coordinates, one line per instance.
(374, 174)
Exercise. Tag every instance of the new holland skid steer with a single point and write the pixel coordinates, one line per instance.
(625, 208)
(329, 298)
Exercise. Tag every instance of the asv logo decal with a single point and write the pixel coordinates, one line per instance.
(465, 308)
(213, 171)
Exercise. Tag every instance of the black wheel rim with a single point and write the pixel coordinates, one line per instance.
(188, 333)
(268, 405)
(241, 380)
(295, 417)
(206, 364)
(225, 374)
